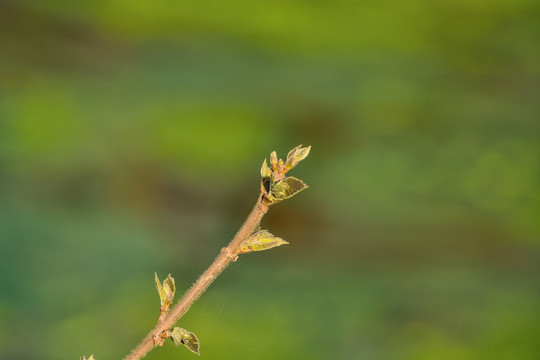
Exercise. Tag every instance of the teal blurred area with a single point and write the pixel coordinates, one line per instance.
(131, 138)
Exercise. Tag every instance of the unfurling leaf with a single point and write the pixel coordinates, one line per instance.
(273, 160)
(295, 156)
(266, 172)
(165, 291)
(90, 358)
(259, 241)
(186, 338)
(285, 188)
(275, 187)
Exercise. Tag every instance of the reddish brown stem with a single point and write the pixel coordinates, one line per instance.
(224, 258)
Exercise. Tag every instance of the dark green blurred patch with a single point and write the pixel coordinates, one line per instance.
(131, 137)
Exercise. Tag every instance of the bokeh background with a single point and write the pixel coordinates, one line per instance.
(131, 138)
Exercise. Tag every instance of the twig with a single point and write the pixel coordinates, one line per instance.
(275, 187)
(227, 255)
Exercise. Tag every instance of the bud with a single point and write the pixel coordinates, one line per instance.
(165, 291)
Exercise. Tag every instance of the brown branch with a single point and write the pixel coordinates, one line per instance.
(275, 187)
(227, 255)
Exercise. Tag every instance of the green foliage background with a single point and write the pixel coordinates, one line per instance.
(131, 137)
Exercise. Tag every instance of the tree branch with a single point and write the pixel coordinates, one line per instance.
(225, 257)
(275, 187)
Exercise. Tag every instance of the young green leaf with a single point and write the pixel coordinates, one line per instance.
(295, 186)
(259, 241)
(273, 160)
(285, 188)
(186, 338)
(90, 358)
(266, 172)
(295, 156)
(165, 291)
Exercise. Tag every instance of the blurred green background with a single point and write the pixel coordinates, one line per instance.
(131, 138)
